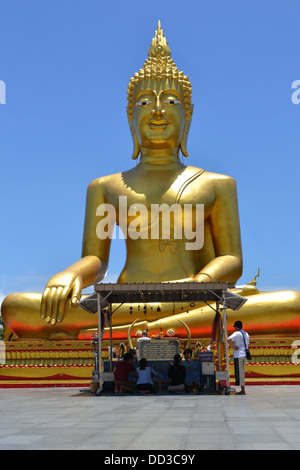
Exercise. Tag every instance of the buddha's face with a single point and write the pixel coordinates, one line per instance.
(159, 114)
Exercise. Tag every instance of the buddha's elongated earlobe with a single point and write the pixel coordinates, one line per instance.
(185, 134)
(136, 145)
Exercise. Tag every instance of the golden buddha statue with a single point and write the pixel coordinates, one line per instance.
(159, 113)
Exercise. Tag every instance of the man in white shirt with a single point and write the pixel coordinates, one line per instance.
(239, 341)
(144, 337)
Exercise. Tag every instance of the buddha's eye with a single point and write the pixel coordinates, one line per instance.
(172, 101)
(143, 102)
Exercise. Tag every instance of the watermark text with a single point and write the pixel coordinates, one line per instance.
(2, 92)
(296, 353)
(296, 94)
(2, 353)
(157, 222)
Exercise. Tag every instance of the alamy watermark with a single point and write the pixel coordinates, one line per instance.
(2, 92)
(2, 353)
(296, 346)
(296, 94)
(157, 222)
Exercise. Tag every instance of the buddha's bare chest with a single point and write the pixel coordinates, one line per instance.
(189, 188)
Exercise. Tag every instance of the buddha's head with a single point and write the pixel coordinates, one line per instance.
(159, 101)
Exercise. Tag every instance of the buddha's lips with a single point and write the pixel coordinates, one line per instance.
(158, 124)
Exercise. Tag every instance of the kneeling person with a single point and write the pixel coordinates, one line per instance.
(177, 374)
(121, 372)
(145, 383)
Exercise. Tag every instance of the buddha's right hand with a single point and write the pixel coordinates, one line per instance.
(62, 290)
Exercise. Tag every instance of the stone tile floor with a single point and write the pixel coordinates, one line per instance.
(268, 418)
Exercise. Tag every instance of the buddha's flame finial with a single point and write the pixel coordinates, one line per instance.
(159, 45)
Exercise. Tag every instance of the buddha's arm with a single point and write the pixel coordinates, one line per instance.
(225, 230)
(66, 286)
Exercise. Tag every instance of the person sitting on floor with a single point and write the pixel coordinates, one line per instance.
(144, 383)
(177, 374)
(121, 374)
(187, 352)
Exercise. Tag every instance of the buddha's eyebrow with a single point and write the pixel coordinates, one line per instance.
(153, 93)
(144, 93)
(172, 92)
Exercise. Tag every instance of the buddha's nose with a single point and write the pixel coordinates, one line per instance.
(158, 110)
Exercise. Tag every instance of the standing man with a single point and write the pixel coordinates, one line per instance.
(144, 337)
(239, 341)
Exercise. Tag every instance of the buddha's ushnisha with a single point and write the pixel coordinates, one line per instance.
(160, 66)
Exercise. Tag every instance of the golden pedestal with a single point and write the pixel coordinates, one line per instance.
(71, 363)
(47, 363)
(271, 363)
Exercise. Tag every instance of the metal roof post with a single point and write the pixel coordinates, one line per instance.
(225, 340)
(100, 336)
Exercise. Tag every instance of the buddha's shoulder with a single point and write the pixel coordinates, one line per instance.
(210, 177)
(105, 181)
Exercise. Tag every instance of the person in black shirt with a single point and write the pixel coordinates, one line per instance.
(177, 375)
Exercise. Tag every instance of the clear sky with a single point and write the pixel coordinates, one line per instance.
(66, 65)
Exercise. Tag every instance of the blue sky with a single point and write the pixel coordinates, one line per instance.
(66, 66)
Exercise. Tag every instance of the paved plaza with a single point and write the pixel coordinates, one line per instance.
(268, 417)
